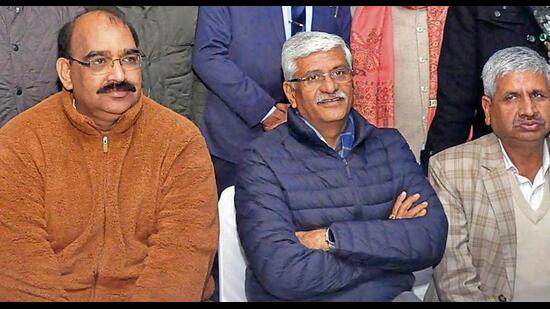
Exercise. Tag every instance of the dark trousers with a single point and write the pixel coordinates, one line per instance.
(225, 177)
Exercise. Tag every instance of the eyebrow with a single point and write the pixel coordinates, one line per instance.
(334, 68)
(131, 51)
(127, 51)
(95, 53)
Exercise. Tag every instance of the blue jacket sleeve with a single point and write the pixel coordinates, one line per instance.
(283, 266)
(404, 245)
(221, 75)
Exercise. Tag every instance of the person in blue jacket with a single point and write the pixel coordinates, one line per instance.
(329, 207)
(237, 54)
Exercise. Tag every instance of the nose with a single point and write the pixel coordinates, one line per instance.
(328, 85)
(117, 72)
(527, 107)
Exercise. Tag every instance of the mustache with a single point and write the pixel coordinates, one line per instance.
(340, 95)
(122, 86)
(529, 121)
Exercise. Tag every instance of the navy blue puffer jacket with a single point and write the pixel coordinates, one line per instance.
(292, 181)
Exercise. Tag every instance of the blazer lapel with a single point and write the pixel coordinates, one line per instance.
(497, 186)
(275, 15)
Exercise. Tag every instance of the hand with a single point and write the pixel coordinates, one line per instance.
(314, 239)
(402, 207)
(277, 118)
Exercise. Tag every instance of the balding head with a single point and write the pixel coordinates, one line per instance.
(65, 36)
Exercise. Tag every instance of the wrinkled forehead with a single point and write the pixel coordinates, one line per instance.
(322, 60)
(522, 78)
(99, 31)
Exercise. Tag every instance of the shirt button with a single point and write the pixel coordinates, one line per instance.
(502, 298)
(18, 91)
(422, 59)
(419, 29)
(15, 47)
(531, 38)
(497, 13)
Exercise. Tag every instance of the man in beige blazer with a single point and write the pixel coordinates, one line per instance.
(496, 190)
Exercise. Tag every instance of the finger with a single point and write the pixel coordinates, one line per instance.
(407, 203)
(417, 210)
(398, 201)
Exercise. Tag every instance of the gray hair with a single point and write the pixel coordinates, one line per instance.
(304, 44)
(509, 60)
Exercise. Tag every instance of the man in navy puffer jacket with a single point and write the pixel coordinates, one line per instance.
(320, 209)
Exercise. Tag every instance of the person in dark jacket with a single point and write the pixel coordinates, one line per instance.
(28, 51)
(472, 35)
(329, 207)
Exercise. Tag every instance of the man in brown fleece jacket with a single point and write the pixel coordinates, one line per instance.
(105, 195)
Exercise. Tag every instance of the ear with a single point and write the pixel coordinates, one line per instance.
(64, 72)
(290, 93)
(486, 103)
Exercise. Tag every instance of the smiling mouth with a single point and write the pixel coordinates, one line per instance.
(330, 100)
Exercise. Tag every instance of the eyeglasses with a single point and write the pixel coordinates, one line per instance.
(339, 76)
(101, 65)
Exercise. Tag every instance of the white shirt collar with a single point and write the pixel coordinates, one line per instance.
(510, 165)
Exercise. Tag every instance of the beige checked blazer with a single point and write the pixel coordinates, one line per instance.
(479, 263)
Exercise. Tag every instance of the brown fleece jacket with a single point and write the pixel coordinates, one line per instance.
(130, 216)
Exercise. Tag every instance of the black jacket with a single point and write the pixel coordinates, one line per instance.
(472, 34)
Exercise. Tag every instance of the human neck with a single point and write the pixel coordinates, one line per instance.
(104, 124)
(331, 132)
(526, 157)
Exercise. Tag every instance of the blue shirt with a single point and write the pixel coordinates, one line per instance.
(345, 140)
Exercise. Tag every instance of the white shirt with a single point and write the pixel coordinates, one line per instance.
(287, 22)
(532, 192)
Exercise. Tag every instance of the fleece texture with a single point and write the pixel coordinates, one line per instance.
(130, 215)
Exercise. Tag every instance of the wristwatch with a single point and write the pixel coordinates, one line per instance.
(329, 238)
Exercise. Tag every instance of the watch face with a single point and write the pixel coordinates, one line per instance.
(329, 238)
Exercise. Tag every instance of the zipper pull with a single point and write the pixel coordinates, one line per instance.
(105, 144)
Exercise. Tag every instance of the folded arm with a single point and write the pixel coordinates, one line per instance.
(284, 267)
(398, 245)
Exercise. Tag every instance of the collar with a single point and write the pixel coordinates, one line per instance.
(345, 140)
(510, 165)
(305, 132)
(87, 126)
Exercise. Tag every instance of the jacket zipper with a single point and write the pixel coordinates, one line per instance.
(347, 167)
(357, 209)
(105, 143)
